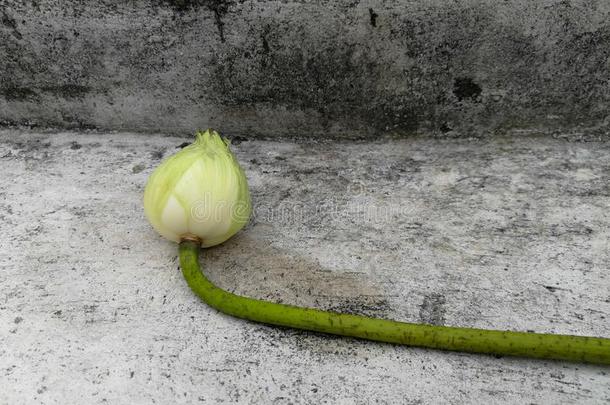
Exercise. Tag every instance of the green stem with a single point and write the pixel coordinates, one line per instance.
(538, 345)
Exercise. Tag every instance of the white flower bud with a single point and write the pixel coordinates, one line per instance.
(199, 192)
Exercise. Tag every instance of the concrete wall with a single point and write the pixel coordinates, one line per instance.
(303, 68)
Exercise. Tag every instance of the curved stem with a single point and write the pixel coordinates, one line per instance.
(538, 345)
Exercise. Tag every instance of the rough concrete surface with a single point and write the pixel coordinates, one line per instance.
(505, 233)
(290, 67)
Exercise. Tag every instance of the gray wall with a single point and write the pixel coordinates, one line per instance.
(350, 68)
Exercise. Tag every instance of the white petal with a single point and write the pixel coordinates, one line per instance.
(174, 217)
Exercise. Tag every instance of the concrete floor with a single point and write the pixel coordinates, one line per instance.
(505, 233)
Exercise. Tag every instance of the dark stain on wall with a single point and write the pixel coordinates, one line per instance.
(373, 17)
(67, 90)
(444, 128)
(265, 52)
(18, 94)
(219, 8)
(335, 83)
(465, 88)
(182, 5)
(11, 24)
(7, 21)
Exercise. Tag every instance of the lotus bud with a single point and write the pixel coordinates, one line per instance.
(200, 193)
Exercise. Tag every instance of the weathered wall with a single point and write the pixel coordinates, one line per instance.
(307, 68)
